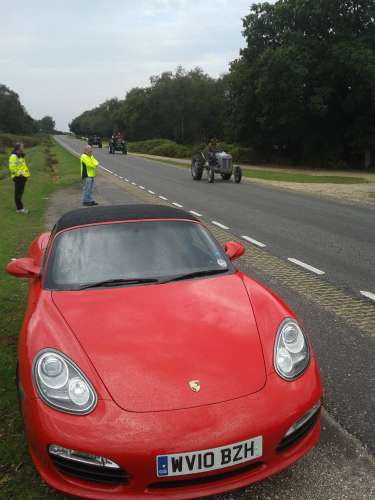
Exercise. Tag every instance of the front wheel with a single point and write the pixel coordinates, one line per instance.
(211, 175)
(237, 174)
(196, 170)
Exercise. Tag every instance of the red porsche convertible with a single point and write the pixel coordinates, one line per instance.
(149, 366)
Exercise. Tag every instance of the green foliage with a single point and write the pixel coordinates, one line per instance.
(305, 80)
(13, 116)
(302, 90)
(29, 141)
(46, 125)
(184, 107)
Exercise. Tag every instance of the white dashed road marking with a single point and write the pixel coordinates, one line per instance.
(163, 198)
(254, 242)
(134, 183)
(218, 224)
(151, 192)
(177, 205)
(141, 187)
(306, 266)
(369, 295)
(196, 213)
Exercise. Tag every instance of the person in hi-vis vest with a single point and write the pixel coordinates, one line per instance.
(88, 172)
(19, 173)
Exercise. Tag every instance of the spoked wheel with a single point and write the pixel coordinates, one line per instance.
(237, 174)
(196, 170)
(226, 177)
(211, 175)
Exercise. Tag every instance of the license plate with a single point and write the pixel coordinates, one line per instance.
(212, 459)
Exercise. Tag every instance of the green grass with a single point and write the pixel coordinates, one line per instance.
(272, 175)
(18, 479)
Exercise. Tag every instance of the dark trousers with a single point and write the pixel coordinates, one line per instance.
(19, 188)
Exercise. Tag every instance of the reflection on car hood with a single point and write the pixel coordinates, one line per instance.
(148, 342)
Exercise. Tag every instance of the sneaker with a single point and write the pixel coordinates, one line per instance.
(22, 211)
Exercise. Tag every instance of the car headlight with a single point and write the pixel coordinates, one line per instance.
(291, 355)
(61, 384)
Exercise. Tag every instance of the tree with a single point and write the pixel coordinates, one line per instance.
(304, 81)
(184, 106)
(46, 125)
(13, 116)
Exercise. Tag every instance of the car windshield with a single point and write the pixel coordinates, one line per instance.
(132, 253)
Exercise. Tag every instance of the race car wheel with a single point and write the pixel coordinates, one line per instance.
(237, 174)
(211, 175)
(196, 170)
(226, 177)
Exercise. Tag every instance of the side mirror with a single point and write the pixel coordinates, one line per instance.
(234, 250)
(23, 268)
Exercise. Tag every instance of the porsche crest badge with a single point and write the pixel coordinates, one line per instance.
(195, 385)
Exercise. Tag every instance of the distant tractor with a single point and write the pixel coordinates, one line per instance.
(215, 163)
(95, 140)
(117, 143)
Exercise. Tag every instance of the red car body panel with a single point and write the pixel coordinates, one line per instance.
(148, 342)
(105, 332)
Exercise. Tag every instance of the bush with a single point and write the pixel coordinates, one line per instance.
(29, 141)
(170, 149)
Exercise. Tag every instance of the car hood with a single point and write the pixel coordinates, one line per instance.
(148, 342)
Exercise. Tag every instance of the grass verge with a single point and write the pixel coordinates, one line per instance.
(18, 478)
(272, 175)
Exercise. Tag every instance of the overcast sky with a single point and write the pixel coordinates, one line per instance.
(63, 57)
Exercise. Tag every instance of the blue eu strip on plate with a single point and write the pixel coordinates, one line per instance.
(162, 466)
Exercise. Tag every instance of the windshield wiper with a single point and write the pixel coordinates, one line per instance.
(119, 282)
(196, 274)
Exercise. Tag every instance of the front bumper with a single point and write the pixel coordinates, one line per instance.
(133, 440)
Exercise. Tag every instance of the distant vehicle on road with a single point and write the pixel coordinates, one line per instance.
(95, 140)
(149, 366)
(117, 143)
(218, 162)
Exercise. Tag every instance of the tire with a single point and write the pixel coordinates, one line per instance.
(211, 175)
(196, 170)
(226, 177)
(237, 174)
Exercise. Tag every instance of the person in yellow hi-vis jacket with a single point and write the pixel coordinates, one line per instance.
(88, 172)
(19, 172)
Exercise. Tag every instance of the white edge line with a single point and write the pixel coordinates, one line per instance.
(126, 180)
(306, 266)
(254, 242)
(134, 183)
(141, 187)
(219, 224)
(163, 198)
(177, 205)
(106, 169)
(369, 295)
(195, 213)
(149, 191)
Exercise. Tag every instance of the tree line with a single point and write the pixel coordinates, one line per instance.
(302, 88)
(14, 119)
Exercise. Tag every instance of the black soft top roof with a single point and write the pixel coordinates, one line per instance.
(113, 213)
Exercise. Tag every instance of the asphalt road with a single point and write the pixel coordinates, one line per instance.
(337, 239)
(340, 321)
(340, 467)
